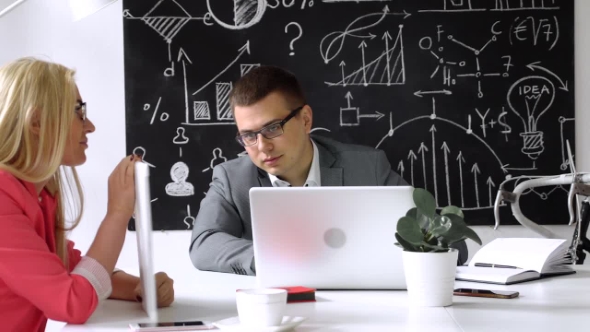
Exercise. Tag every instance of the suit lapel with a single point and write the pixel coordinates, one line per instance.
(263, 179)
(330, 176)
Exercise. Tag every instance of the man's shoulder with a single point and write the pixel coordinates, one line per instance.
(338, 147)
(237, 176)
(242, 162)
(239, 168)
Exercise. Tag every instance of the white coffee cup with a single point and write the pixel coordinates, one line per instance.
(261, 307)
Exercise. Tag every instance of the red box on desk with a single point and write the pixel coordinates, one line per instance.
(298, 294)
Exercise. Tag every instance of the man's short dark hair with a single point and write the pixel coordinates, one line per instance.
(264, 80)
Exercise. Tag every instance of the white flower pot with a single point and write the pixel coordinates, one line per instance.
(430, 277)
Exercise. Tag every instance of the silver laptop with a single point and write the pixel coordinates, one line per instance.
(329, 237)
(143, 227)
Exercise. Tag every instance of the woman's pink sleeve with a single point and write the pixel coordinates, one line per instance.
(32, 271)
(74, 255)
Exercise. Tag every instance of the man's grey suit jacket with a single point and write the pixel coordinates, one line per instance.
(222, 235)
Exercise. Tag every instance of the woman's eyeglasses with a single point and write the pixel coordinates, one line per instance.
(81, 110)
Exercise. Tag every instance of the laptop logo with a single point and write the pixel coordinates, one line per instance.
(335, 238)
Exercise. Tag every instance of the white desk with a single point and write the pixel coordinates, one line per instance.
(561, 303)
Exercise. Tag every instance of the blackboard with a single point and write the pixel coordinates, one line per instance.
(445, 87)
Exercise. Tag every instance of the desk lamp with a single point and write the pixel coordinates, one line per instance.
(80, 8)
(578, 186)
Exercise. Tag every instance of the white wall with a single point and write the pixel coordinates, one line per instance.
(94, 46)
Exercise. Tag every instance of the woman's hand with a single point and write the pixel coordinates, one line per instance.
(122, 188)
(164, 289)
(109, 239)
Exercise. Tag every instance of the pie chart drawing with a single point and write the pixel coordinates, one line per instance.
(245, 13)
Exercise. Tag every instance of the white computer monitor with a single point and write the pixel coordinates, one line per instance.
(143, 227)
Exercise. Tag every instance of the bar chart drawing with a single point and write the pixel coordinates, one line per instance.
(201, 111)
(222, 96)
(450, 6)
(245, 68)
(223, 87)
(387, 69)
(512, 5)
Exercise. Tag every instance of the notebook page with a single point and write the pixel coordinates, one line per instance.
(559, 253)
(524, 253)
(499, 276)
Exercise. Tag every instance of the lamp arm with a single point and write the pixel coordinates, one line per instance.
(571, 202)
(80, 8)
(497, 204)
(11, 7)
(517, 212)
(551, 181)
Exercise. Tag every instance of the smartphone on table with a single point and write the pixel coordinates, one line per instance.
(172, 326)
(497, 294)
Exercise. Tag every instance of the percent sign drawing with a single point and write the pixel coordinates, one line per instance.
(163, 117)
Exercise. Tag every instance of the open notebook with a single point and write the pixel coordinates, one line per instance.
(512, 260)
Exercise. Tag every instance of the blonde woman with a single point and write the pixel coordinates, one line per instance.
(43, 136)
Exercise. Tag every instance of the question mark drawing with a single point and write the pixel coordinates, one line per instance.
(294, 39)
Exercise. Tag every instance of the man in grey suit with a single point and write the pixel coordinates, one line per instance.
(274, 125)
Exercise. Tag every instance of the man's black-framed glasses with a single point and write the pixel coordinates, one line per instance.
(271, 131)
(81, 110)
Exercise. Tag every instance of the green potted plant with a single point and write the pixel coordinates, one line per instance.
(429, 261)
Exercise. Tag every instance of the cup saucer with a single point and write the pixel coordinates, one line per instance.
(233, 324)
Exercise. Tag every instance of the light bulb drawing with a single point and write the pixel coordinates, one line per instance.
(529, 98)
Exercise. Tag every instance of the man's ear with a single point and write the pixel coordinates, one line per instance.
(307, 118)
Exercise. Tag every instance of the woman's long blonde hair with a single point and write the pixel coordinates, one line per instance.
(37, 107)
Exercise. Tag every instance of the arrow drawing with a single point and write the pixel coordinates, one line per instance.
(433, 130)
(370, 36)
(433, 106)
(421, 93)
(242, 50)
(182, 56)
(400, 168)
(185, 90)
(475, 170)
(362, 47)
(377, 115)
(337, 38)
(387, 38)
(342, 65)
(412, 157)
(446, 151)
(350, 116)
(349, 98)
(490, 184)
(422, 150)
(535, 65)
(461, 161)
